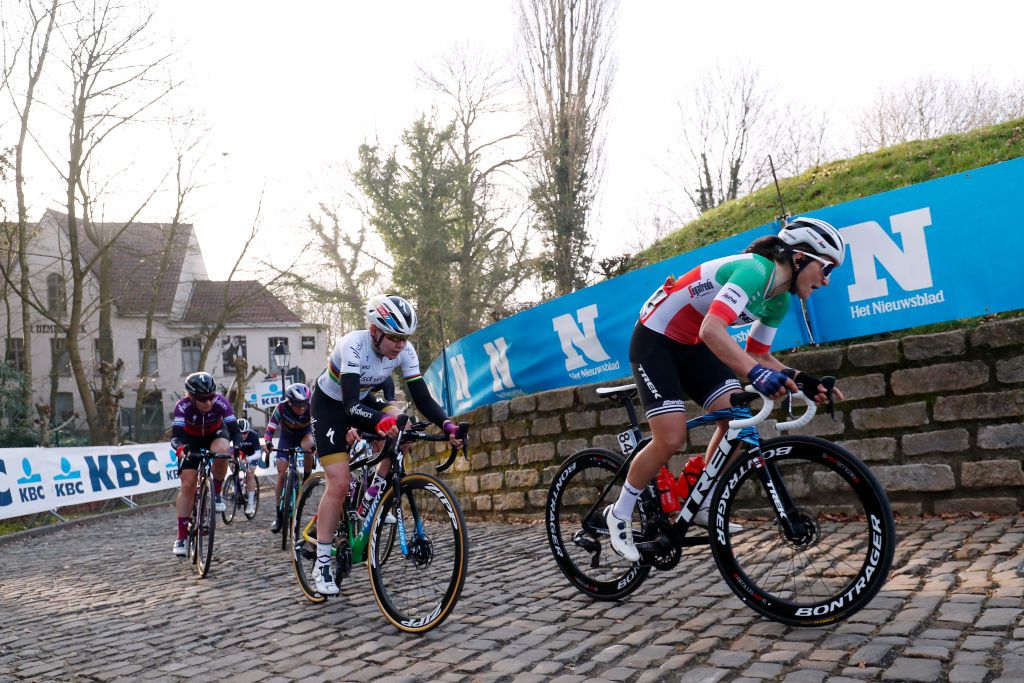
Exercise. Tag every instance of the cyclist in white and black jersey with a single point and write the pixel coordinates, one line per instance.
(681, 347)
(360, 361)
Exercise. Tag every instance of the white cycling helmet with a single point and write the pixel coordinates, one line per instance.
(816, 236)
(298, 392)
(243, 425)
(391, 315)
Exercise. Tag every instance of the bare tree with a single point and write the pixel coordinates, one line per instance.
(566, 69)
(491, 260)
(34, 47)
(931, 106)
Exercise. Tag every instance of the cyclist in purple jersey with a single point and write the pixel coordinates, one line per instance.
(202, 419)
(292, 418)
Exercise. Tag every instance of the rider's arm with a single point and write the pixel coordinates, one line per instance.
(178, 434)
(273, 423)
(364, 415)
(714, 332)
(424, 402)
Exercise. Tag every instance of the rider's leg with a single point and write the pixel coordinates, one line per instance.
(220, 467)
(307, 462)
(328, 515)
(186, 498)
(668, 434)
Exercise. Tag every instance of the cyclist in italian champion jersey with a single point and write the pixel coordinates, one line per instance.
(292, 417)
(681, 347)
(361, 361)
(202, 419)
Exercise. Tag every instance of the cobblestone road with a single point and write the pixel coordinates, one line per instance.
(109, 602)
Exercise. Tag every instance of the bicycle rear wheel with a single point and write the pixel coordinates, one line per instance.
(206, 527)
(841, 546)
(229, 492)
(256, 497)
(581, 547)
(417, 586)
(304, 549)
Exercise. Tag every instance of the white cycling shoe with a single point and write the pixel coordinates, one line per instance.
(621, 535)
(218, 504)
(324, 581)
(250, 508)
(179, 548)
(701, 519)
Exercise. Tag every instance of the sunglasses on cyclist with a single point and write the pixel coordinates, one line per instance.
(826, 266)
(204, 398)
(396, 338)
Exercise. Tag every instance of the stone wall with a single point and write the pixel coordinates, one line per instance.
(938, 418)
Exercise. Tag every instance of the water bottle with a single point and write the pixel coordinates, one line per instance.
(666, 491)
(300, 458)
(688, 479)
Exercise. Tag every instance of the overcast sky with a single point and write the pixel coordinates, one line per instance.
(289, 89)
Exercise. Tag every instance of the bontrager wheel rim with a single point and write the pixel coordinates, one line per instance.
(303, 555)
(573, 492)
(418, 591)
(840, 561)
(229, 493)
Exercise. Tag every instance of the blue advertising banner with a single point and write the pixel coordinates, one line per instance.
(940, 250)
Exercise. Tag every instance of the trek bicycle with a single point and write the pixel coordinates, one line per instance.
(290, 490)
(202, 522)
(234, 491)
(817, 537)
(414, 542)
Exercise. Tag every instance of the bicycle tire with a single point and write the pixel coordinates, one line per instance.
(303, 555)
(287, 498)
(418, 591)
(229, 492)
(576, 549)
(192, 543)
(255, 498)
(206, 528)
(844, 551)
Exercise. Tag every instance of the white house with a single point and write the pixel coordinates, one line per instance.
(186, 300)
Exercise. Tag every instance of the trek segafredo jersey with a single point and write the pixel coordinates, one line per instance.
(733, 288)
(354, 354)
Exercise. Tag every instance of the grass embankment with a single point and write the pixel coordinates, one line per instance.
(846, 180)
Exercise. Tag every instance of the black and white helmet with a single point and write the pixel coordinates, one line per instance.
(243, 425)
(817, 236)
(391, 315)
(200, 384)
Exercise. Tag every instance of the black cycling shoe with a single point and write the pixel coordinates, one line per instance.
(276, 526)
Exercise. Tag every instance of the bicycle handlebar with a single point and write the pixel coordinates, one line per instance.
(767, 405)
(413, 434)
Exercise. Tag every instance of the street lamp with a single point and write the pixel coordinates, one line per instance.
(281, 358)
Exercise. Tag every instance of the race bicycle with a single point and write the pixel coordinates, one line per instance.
(202, 522)
(290, 490)
(817, 537)
(415, 543)
(233, 490)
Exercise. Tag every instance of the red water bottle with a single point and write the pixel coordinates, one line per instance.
(688, 479)
(666, 490)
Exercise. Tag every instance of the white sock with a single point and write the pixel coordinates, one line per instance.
(627, 501)
(323, 553)
(252, 497)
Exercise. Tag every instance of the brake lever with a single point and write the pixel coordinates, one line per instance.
(462, 434)
(829, 382)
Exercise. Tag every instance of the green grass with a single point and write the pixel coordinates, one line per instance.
(843, 181)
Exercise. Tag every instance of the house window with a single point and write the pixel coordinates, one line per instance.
(190, 350)
(147, 369)
(309, 342)
(56, 294)
(274, 341)
(14, 353)
(60, 361)
(232, 347)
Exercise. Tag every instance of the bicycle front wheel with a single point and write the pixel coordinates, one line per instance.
(581, 547)
(417, 583)
(287, 500)
(229, 492)
(835, 554)
(304, 547)
(206, 526)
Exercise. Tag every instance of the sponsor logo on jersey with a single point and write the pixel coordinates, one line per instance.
(702, 287)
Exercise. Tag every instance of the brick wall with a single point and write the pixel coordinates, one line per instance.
(938, 418)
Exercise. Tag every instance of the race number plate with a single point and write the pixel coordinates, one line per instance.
(627, 442)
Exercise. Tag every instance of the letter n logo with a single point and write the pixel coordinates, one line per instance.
(501, 373)
(458, 364)
(909, 266)
(582, 337)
